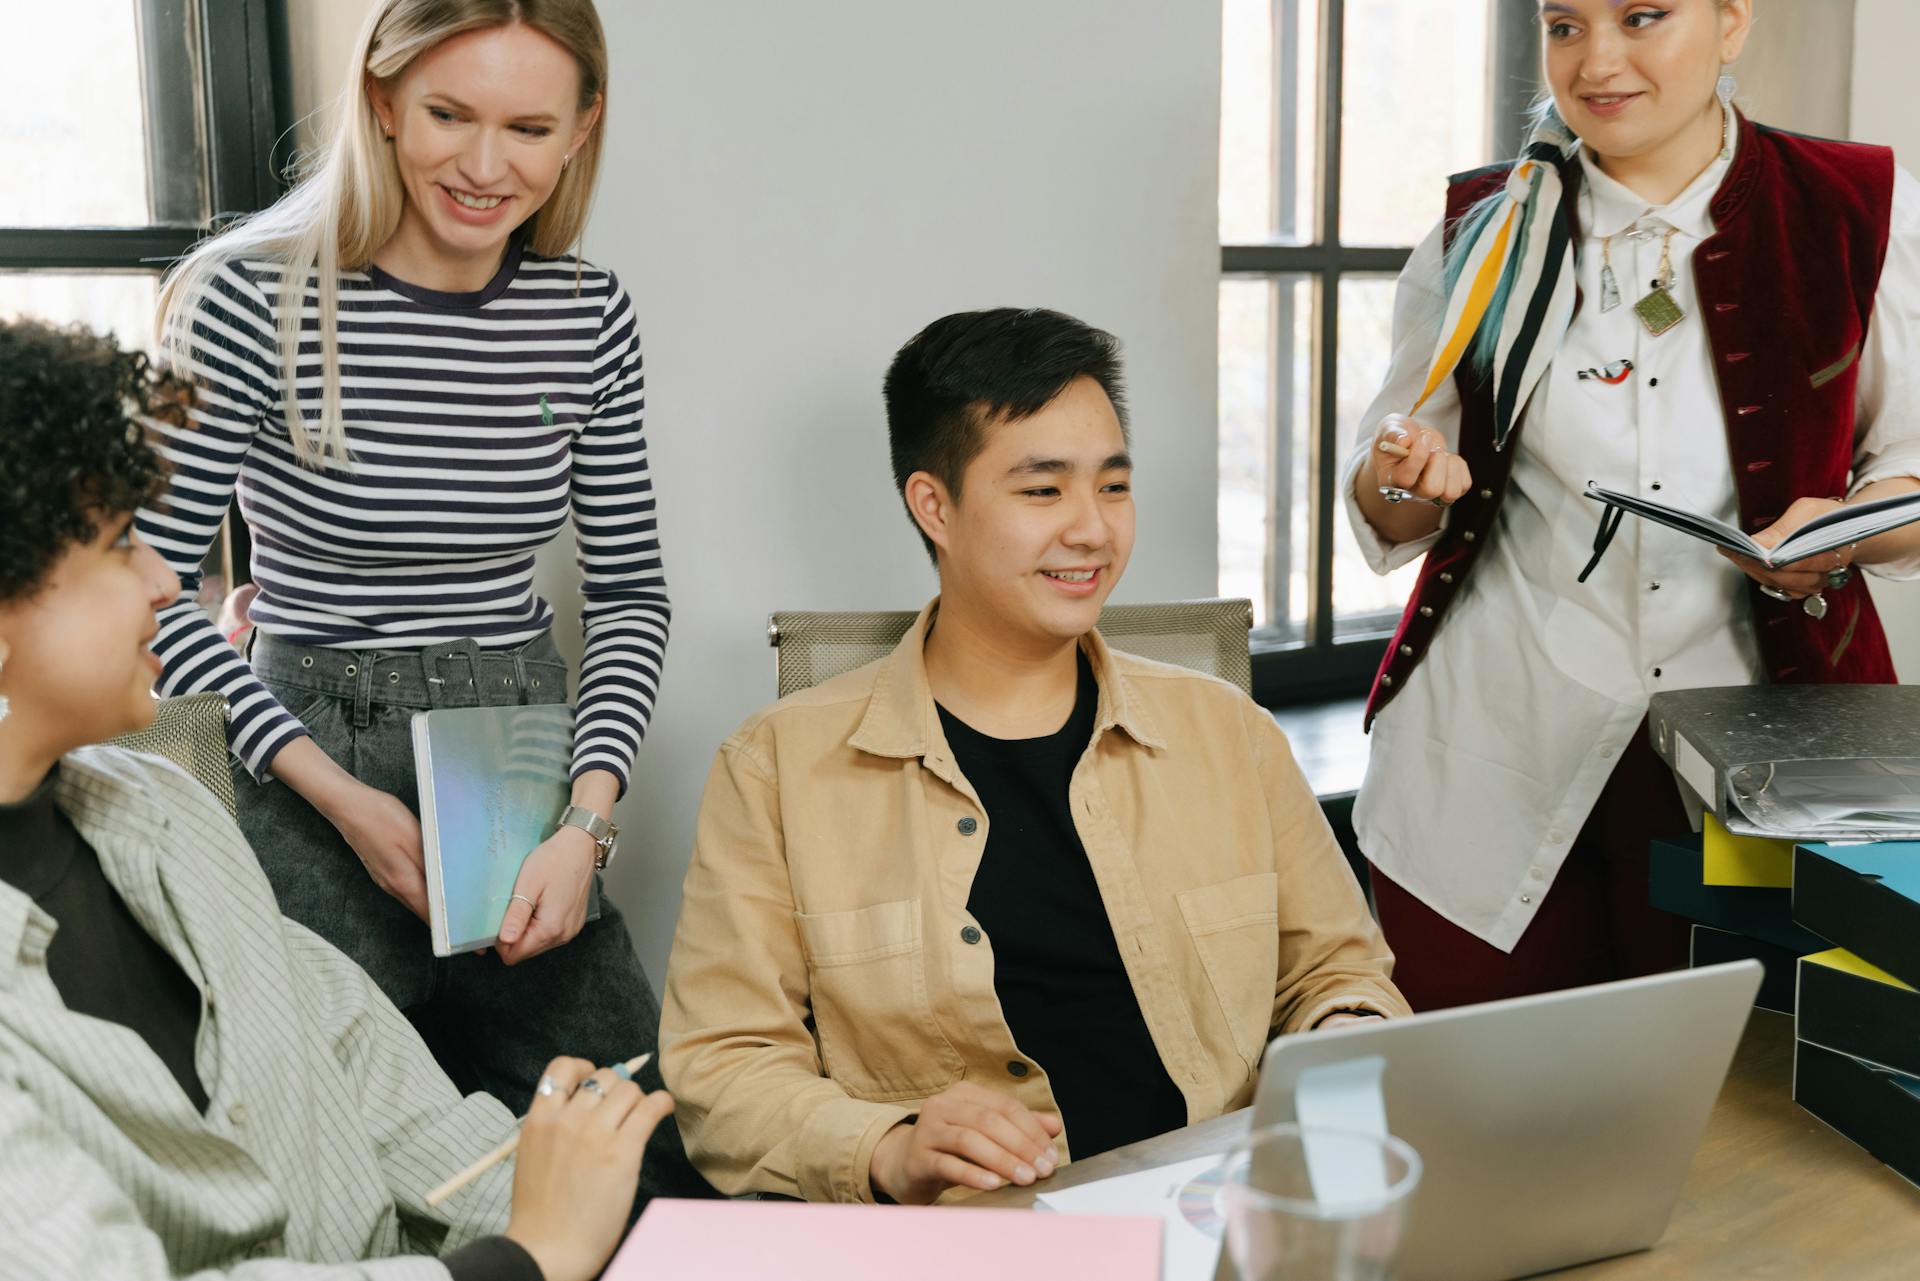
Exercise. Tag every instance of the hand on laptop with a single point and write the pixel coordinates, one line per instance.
(966, 1136)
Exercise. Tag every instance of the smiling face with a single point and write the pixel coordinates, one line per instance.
(480, 125)
(74, 658)
(1043, 526)
(1629, 77)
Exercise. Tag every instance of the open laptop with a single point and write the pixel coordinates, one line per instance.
(1553, 1129)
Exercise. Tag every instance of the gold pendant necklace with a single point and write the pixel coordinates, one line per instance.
(1659, 311)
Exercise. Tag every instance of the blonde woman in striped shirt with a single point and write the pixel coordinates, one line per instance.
(412, 388)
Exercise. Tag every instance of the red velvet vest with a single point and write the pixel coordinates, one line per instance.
(1785, 286)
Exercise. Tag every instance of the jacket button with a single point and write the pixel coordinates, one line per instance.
(1469, 535)
(970, 934)
(1447, 578)
(1016, 1069)
(1406, 651)
(1486, 493)
(1386, 680)
(968, 826)
(1426, 611)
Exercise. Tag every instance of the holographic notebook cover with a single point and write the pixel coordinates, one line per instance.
(493, 781)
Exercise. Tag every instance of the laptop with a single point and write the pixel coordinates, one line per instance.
(1554, 1129)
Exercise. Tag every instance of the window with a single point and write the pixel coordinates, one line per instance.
(128, 129)
(1340, 121)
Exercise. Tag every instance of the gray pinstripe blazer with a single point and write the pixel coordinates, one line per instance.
(328, 1122)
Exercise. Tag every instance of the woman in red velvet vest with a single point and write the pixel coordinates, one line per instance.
(1689, 307)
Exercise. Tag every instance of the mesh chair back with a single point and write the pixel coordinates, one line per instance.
(190, 731)
(1206, 635)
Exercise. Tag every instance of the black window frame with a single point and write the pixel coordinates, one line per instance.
(214, 74)
(1319, 665)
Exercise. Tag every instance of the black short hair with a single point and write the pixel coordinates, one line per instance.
(75, 446)
(973, 368)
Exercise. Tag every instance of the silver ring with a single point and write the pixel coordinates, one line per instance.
(592, 1086)
(524, 899)
(1838, 578)
(1769, 590)
(1395, 494)
(547, 1088)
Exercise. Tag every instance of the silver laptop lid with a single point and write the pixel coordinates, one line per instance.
(1554, 1129)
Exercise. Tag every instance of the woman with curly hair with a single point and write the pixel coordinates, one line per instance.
(190, 1083)
(413, 388)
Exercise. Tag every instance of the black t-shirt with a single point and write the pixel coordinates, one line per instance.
(1057, 968)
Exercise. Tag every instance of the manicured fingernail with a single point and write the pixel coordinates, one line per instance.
(989, 1181)
(1044, 1164)
(1023, 1174)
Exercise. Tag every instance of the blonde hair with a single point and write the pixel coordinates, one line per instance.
(347, 198)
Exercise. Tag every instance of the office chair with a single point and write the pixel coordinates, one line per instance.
(190, 731)
(1206, 635)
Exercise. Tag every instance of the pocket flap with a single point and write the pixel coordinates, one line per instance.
(863, 934)
(1244, 900)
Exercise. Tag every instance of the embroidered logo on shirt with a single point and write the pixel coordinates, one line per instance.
(546, 411)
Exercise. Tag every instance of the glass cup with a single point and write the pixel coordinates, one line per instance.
(1312, 1203)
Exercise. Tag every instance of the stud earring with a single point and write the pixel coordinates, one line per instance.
(566, 160)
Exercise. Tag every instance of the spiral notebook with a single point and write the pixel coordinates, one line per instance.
(493, 781)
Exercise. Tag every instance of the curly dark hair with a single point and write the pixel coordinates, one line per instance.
(76, 416)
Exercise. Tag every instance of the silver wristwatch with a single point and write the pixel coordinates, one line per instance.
(603, 832)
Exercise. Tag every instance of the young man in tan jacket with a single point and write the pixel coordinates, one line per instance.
(1007, 896)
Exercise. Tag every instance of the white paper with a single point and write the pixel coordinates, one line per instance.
(1187, 1252)
(1343, 1096)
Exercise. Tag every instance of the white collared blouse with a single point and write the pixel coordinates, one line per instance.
(1486, 764)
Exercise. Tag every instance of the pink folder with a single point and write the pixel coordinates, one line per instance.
(791, 1241)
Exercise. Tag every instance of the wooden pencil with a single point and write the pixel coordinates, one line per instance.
(506, 1149)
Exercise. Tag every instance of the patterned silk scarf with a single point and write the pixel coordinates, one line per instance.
(1515, 274)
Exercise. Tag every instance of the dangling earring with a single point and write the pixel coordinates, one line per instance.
(1723, 89)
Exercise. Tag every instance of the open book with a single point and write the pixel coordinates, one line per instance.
(1837, 528)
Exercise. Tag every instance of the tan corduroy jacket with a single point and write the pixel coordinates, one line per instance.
(826, 976)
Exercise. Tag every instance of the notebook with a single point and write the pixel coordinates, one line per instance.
(796, 1241)
(1823, 533)
(493, 781)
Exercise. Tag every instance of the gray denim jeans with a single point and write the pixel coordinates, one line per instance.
(492, 1026)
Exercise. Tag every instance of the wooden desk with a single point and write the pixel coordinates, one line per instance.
(1773, 1193)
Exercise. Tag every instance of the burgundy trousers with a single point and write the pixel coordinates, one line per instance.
(1594, 925)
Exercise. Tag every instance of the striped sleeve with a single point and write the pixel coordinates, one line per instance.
(231, 354)
(626, 613)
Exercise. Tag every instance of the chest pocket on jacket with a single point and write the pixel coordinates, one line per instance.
(1235, 927)
(872, 1015)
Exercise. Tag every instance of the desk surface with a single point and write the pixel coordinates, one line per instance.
(1773, 1193)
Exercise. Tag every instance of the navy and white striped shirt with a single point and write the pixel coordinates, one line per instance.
(477, 422)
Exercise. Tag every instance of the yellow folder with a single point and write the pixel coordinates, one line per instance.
(1744, 860)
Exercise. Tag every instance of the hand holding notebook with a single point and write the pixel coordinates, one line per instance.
(1837, 528)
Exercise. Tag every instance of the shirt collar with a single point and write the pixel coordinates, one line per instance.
(1612, 207)
(902, 721)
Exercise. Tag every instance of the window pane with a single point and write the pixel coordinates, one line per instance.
(72, 129)
(1268, 91)
(1363, 602)
(1266, 353)
(117, 303)
(1414, 109)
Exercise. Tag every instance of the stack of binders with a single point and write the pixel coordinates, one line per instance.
(1856, 1062)
(1737, 892)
